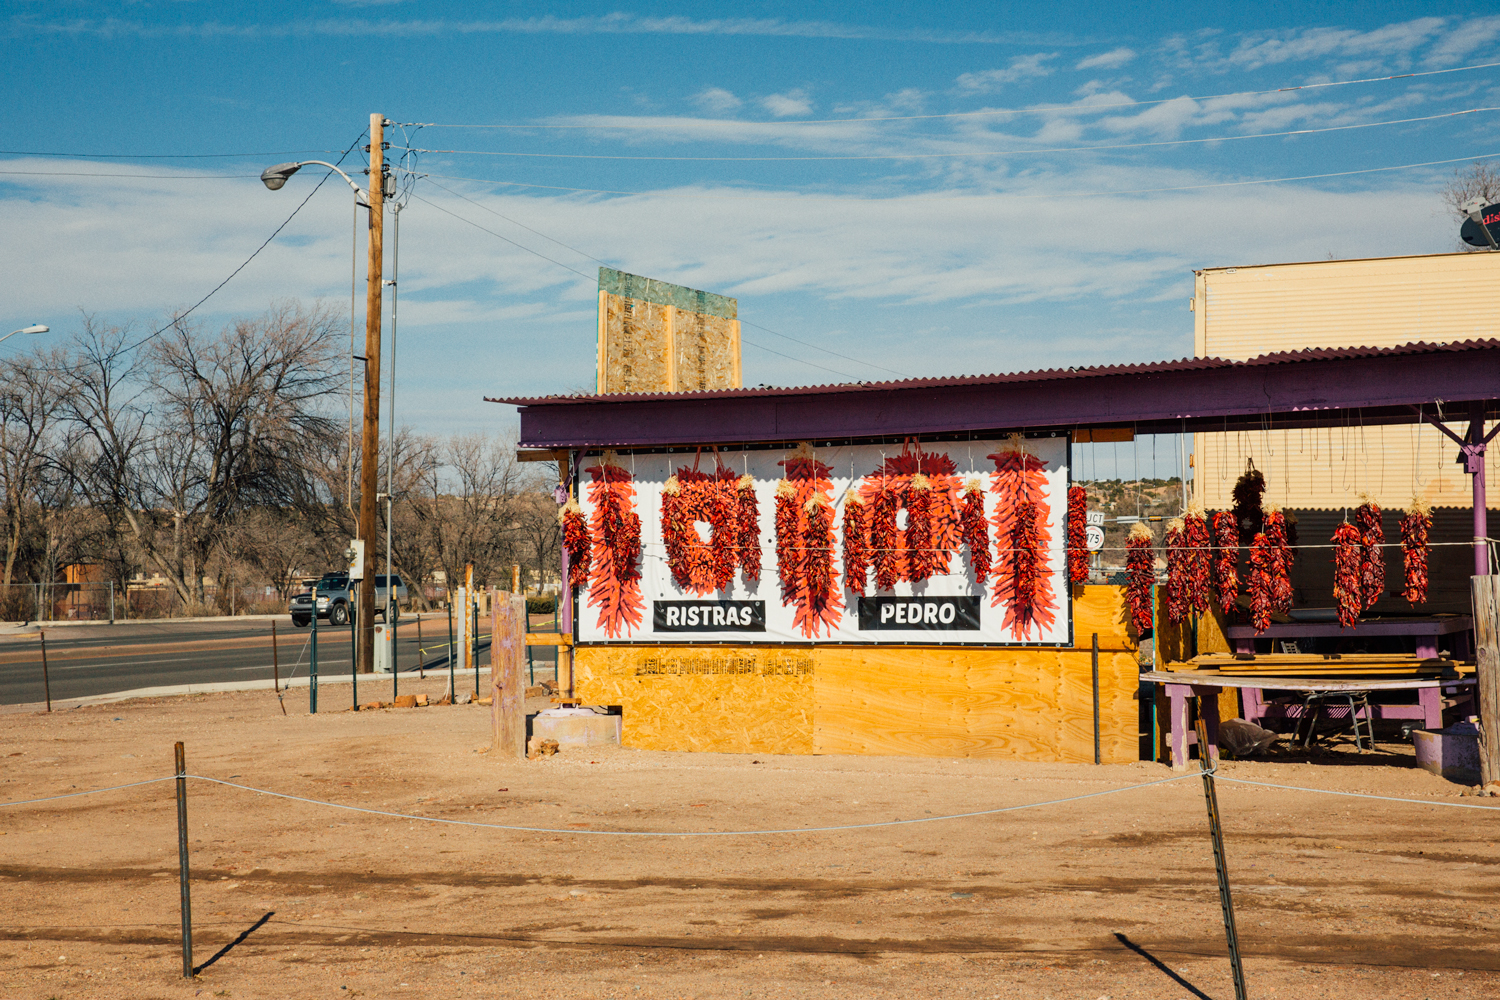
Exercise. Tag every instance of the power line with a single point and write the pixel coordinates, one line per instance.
(591, 277)
(720, 123)
(1071, 193)
(969, 153)
(166, 156)
(184, 315)
(173, 177)
(606, 263)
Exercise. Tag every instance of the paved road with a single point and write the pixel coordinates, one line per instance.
(89, 660)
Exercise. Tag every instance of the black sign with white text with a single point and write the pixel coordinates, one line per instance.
(918, 613)
(708, 616)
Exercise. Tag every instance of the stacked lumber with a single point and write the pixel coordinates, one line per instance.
(1325, 665)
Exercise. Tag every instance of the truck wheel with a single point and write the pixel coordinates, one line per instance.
(338, 614)
(301, 621)
(395, 613)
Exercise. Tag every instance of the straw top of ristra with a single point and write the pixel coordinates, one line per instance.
(1419, 505)
(1141, 529)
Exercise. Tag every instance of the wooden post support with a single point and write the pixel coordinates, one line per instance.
(1486, 591)
(507, 679)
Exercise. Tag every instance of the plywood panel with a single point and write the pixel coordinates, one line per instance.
(1026, 704)
(706, 352)
(637, 346)
(723, 699)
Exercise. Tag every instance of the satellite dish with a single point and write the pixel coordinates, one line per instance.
(1473, 231)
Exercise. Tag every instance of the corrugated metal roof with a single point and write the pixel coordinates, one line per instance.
(1040, 375)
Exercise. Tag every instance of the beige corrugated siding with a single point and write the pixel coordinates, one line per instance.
(1242, 312)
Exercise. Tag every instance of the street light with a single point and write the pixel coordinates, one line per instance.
(274, 178)
(37, 328)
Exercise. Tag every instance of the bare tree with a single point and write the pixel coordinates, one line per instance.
(30, 403)
(467, 502)
(1478, 180)
(199, 428)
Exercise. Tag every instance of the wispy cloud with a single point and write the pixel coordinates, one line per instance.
(1019, 68)
(1113, 59)
(610, 24)
(787, 105)
(717, 100)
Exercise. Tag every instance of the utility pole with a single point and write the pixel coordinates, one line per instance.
(370, 437)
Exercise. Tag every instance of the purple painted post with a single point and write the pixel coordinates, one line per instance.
(1474, 463)
(565, 619)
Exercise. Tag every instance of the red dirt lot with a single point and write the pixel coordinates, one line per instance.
(1106, 897)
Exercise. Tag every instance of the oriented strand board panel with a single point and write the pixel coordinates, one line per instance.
(722, 699)
(1026, 704)
(655, 336)
(1029, 703)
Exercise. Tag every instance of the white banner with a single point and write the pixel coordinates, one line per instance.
(932, 593)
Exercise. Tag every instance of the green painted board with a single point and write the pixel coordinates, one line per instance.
(664, 293)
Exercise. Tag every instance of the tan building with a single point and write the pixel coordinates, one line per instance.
(1242, 312)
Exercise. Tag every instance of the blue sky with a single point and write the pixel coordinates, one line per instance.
(797, 157)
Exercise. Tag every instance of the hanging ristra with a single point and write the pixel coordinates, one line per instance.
(1177, 571)
(723, 525)
(1226, 575)
(1368, 518)
(1263, 562)
(1274, 523)
(817, 554)
(976, 529)
(747, 527)
(885, 538)
(1248, 490)
(1199, 543)
(577, 542)
(919, 548)
(1078, 535)
(926, 484)
(1416, 526)
(1140, 576)
(1347, 591)
(856, 543)
(1023, 576)
(614, 582)
(788, 544)
(804, 537)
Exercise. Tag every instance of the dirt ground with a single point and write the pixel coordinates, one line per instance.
(1108, 897)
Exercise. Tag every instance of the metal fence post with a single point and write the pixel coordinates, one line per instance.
(354, 662)
(1216, 831)
(474, 645)
(452, 691)
(182, 866)
(1097, 758)
(111, 602)
(46, 681)
(312, 678)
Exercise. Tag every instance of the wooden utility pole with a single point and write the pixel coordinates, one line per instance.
(369, 451)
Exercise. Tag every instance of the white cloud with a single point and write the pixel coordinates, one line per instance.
(1113, 59)
(1020, 68)
(717, 100)
(787, 105)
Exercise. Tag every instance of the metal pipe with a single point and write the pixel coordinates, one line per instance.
(474, 643)
(1475, 463)
(276, 664)
(46, 680)
(312, 678)
(111, 602)
(1097, 757)
(452, 691)
(353, 663)
(1216, 831)
(421, 662)
(182, 865)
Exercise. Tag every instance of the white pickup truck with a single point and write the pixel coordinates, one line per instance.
(336, 602)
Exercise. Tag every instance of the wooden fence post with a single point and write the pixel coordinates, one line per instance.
(507, 677)
(1486, 591)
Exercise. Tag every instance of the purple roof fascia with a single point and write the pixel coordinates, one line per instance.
(1182, 393)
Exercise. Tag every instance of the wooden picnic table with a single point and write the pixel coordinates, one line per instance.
(1424, 628)
(1184, 684)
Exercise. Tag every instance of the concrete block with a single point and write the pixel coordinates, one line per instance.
(577, 727)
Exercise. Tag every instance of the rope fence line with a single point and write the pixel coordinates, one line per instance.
(747, 833)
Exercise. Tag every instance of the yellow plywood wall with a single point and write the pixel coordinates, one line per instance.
(722, 699)
(1012, 702)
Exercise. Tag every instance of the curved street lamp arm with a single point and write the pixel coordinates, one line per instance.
(324, 163)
